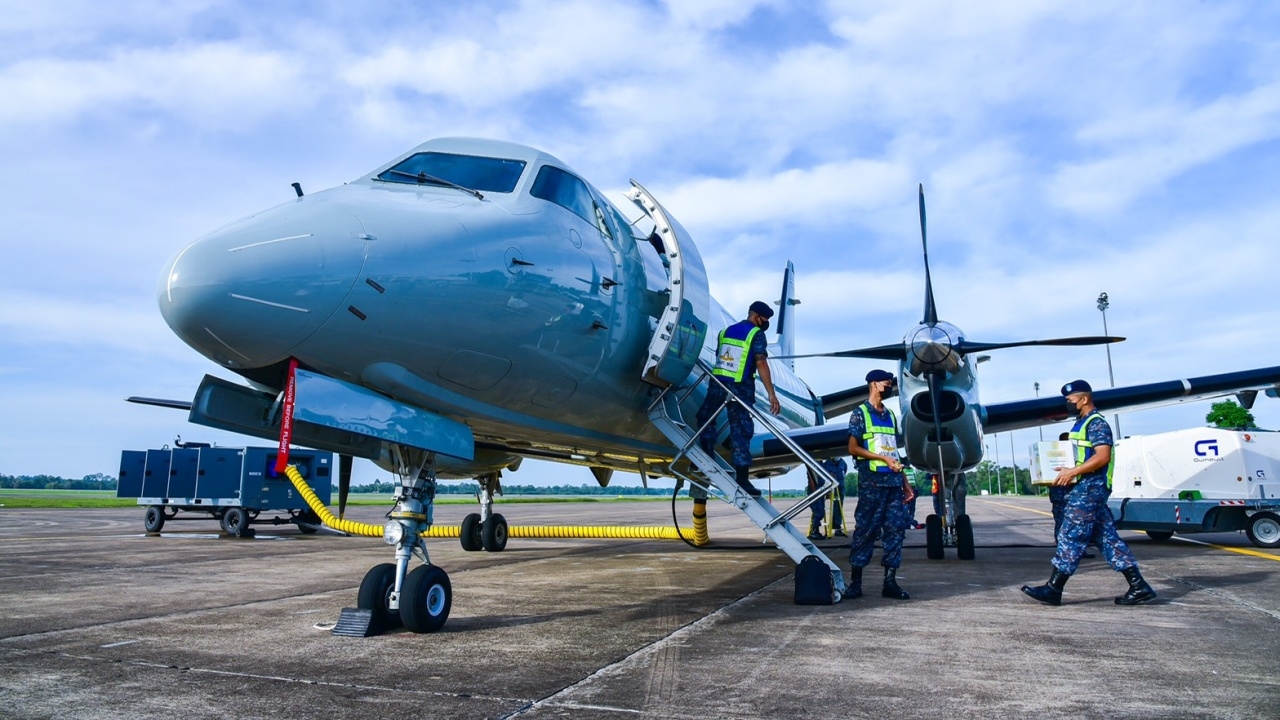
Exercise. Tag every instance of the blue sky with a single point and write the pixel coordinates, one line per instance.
(1066, 149)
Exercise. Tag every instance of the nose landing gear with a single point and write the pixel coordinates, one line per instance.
(391, 593)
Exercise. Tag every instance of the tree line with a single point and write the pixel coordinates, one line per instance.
(96, 481)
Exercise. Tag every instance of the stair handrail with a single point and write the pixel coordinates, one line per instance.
(705, 373)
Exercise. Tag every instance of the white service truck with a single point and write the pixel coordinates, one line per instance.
(1197, 480)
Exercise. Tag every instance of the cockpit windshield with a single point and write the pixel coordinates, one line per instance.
(468, 171)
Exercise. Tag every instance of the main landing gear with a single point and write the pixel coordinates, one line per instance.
(486, 529)
(952, 528)
(394, 595)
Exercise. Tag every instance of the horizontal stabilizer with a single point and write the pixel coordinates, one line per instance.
(841, 402)
(159, 402)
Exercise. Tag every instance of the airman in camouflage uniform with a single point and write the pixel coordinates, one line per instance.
(883, 490)
(741, 352)
(1086, 511)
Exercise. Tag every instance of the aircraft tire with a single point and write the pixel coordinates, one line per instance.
(1159, 535)
(235, 521)
(1264, 530)
(964, 537)
(933, 537)
(425, 599)
(494, 533)
(375, 595)
(470, 536)
(153, 519)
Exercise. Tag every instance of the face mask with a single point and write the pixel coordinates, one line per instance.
(764, 324)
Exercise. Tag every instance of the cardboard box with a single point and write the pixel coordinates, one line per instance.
(1048, 457)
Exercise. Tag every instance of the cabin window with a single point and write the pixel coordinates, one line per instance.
(470, 171)
(557, 186)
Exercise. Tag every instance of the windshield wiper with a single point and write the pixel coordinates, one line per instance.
(422, 177)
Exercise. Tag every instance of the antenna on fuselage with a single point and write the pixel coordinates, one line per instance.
(297, 187)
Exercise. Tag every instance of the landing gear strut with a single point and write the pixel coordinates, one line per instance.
(419, 599)
(485, 529)
(951, 528)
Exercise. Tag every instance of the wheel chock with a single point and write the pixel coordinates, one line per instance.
(354, 622)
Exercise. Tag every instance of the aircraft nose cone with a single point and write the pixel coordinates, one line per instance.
(245, 295)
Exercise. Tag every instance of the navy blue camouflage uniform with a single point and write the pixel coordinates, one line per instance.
(882, 509)
(1085, 513)
(741, 426)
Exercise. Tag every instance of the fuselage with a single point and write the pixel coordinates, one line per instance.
(525, 313)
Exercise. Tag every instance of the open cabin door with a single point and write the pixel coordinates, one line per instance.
(682, 328)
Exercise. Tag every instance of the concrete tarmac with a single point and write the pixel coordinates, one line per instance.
(99, 620)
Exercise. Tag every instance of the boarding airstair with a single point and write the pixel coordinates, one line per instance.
(715, 475)
(673, 365)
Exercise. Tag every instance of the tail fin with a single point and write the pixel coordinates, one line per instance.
(787, 315)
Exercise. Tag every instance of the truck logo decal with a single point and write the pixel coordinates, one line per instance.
(1204, 447)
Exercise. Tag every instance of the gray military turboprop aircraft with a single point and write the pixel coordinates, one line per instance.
(472, 303)
(943, 422)
(468, 304)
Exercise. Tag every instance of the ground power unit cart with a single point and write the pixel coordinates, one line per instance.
(235, 486)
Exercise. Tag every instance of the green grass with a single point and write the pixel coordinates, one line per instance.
(11, 498)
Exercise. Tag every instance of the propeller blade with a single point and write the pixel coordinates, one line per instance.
(896, 351)
(930, 310)
(344, 483)
(968, 346)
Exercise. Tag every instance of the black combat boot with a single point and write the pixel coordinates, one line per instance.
(744, 482)
(891, 589)
(1050, 592)
(1139, 590)
(854, 588)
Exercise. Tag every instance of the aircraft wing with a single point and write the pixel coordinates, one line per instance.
(1019, 414)
(832, 440)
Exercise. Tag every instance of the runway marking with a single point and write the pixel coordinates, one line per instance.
(1242, 551)
(1019, 507)
(1215, 592)
(122, 642)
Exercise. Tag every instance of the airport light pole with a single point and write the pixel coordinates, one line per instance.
(1013, 458)
(1039, 427)
(981, 359)
(1103, 304)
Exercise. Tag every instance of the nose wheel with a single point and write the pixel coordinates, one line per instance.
(375, 595)
(391, 593)
(426, 599)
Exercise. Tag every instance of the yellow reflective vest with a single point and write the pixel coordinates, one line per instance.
(1084, 449)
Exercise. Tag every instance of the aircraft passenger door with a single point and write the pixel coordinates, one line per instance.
(682, 328)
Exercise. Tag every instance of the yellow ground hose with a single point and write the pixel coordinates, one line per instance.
(326, 517)
(700, 535)
(533, 531)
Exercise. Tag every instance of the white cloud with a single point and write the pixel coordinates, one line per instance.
(1144, 150)
(214, 86)
(818, 195)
